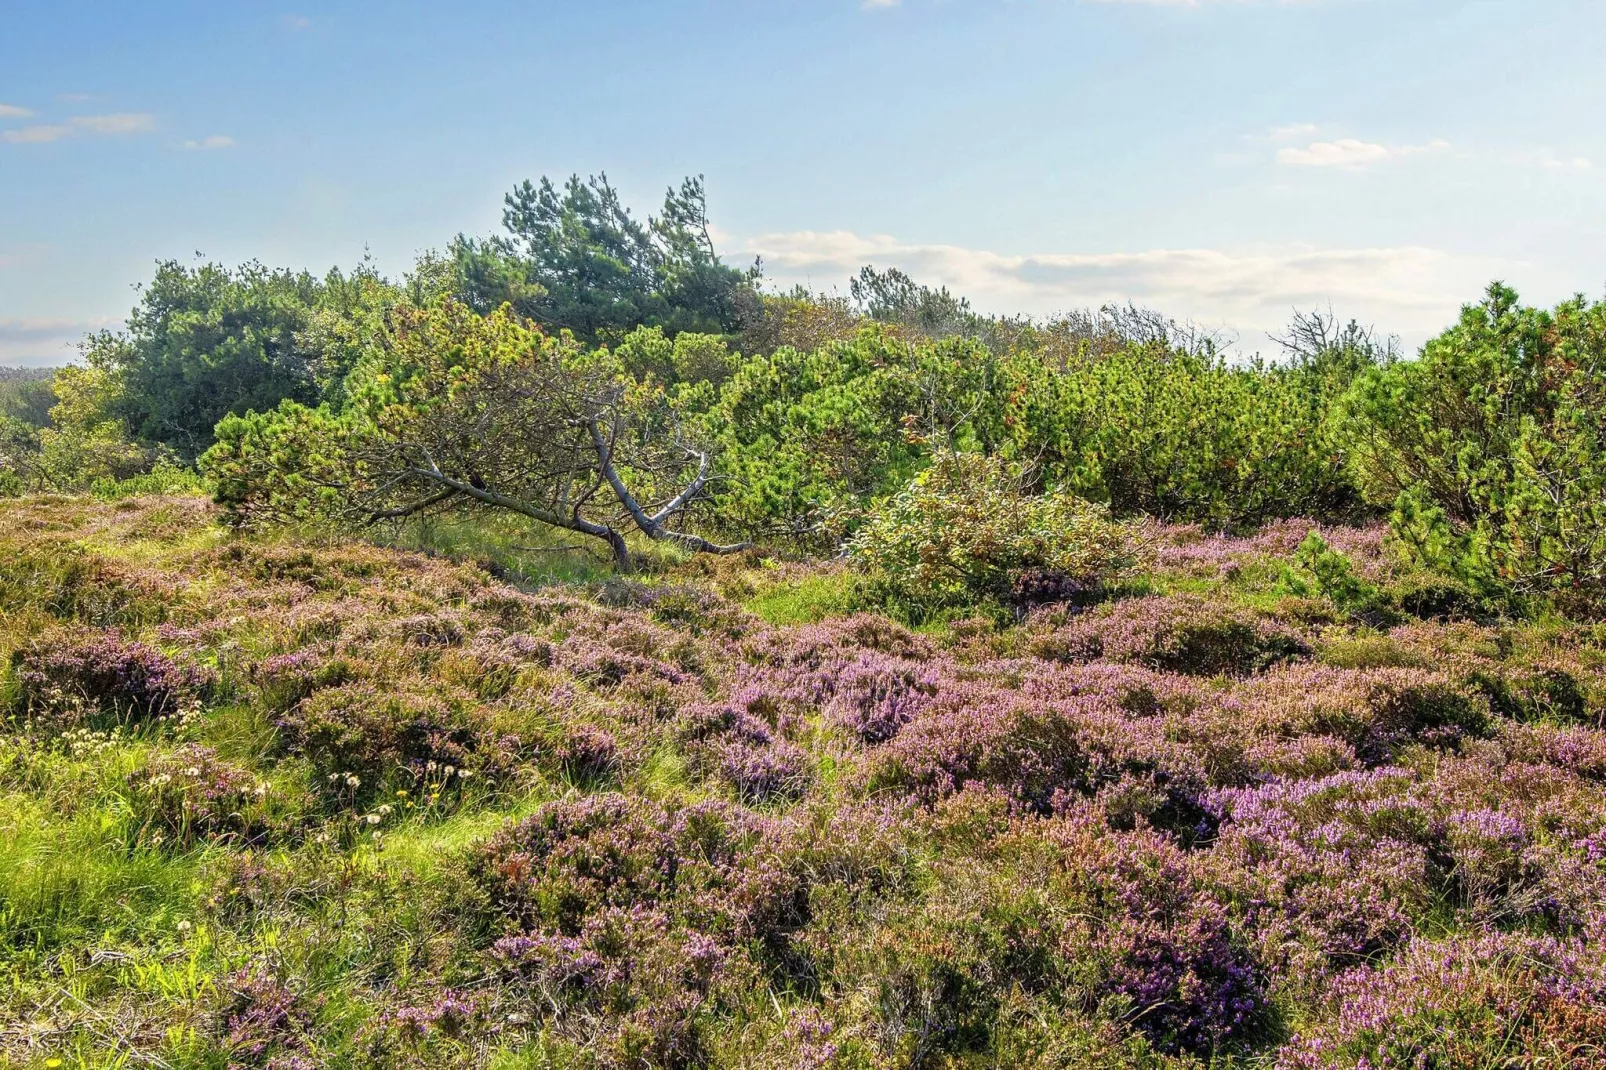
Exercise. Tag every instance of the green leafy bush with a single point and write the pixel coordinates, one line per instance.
(1492, 448)
(1144, 425)
(807, 439)
(1319, 571)
(966, 530)
(1183, 436)
(208, 342)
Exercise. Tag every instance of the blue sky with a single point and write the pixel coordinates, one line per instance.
(1222, 160)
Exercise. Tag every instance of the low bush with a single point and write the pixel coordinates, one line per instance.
(1490, 1000)
(367, 742)
(1175, 633)
(1181, 434)
(1491, 449)
(101, 679)
(191, 795)
(1319, 571)
(966, 531)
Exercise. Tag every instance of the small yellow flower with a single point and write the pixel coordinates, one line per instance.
(52, 1062)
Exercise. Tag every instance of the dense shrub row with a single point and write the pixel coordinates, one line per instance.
(806, 412)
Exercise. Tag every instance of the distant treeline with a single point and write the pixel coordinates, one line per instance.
(617, 377)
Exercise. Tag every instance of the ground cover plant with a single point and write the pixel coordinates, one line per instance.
(268, 800)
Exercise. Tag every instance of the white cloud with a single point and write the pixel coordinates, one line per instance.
(1291, 130)
(43, 342)
(1409, 290)
(12, 111)
(216, 141)
(120, 123)
(34, 135)
(297, 22)
(871, 5)
(1351, 153)
(1549, 161)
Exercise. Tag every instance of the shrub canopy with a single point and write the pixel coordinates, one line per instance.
(966, 529)
(1491, 448)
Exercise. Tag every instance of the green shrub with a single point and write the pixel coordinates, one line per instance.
(165, 477)
(1492, 449)
(1184, 436)
(966, 531)
(808, 438)
(1319, 571)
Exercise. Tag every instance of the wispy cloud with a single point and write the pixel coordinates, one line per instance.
(1547, 160)
(1409, 290)
(1351, 153)
(216, 141)
(871, 5)
(120, 124)
(43, 342)
(1291, 130)
(297, 22)
(35, 135)
(13, 111)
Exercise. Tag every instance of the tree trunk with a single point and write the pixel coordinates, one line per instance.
(621, 552)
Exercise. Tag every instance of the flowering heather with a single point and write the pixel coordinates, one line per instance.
(870, 692)
(1187, 549)
(75, 678)
(266, 1023)
(1163, 942)
(975, 735)
(191, 794)
(608, 664)
(285, 679)
(1373, 711)
(1491, 999)
(588, 752)
(761, 772)
(1179, 633)
(410, 815)
(1329, 871)
(386, 736)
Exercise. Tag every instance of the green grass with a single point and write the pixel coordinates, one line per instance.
(524, 551)
(806, 601)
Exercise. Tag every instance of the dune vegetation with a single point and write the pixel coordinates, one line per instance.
(573, 655)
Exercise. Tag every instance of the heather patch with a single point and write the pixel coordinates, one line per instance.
(400, 813)
(97, 679)
(191, 795)
(366, 740)
(1179, 633)
(1489, 999)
